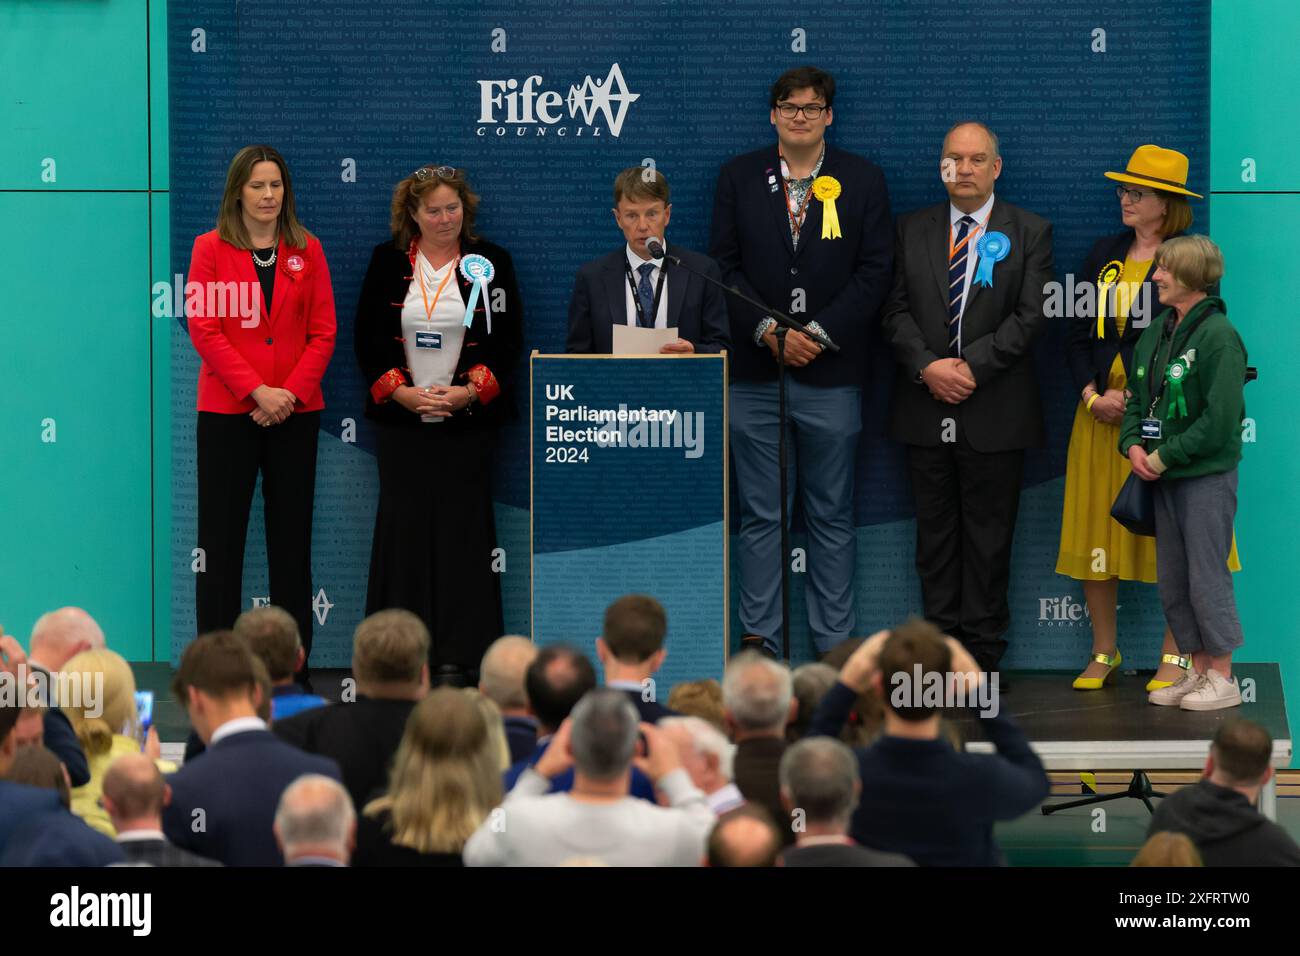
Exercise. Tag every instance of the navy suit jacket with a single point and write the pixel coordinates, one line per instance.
(61, 740)
(58, 838)
(844, 282)
(236, 784)
(18, 804)
(695, 307)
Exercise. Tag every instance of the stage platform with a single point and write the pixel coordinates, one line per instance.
(1118, 729)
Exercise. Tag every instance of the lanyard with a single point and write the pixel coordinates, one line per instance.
(1173, 330)
(796, 218)
(419, 270)
(636, 298)
(979, 227)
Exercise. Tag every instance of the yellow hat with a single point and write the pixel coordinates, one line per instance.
(1163, 169)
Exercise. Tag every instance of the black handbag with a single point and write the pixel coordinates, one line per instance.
(1135, 506)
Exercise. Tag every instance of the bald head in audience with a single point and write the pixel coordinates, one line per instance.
(501, 675)
(315, 823)
(135, 794)
(744, 837)
(60, 635)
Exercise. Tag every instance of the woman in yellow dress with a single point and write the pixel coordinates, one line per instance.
(1095, 549)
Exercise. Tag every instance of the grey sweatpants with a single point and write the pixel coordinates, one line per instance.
(1193, 537)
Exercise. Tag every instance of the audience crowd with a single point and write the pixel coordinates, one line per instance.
(542, 765)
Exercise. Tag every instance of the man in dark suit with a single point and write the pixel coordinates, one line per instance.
(19, 803)
(631, 649)
(36, 828)
(57, 637)
(223, 802)
(631, 287)
(970, 285)
(819, 779)
(805, 228)
(134, 797)
(758, 702)
(390, 663)
(501, 680)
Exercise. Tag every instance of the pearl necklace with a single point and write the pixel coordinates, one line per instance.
(268, 263)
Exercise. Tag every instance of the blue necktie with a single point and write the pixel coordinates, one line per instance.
(646, 293)
(957, 286)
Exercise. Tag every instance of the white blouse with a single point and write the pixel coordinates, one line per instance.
(433, 343)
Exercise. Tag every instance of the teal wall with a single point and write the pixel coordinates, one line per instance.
(84, 85)
(84, 520)
(1253, 115)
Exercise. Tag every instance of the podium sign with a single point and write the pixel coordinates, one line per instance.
(629, 495)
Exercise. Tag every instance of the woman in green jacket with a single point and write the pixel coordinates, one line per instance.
(1182, 431)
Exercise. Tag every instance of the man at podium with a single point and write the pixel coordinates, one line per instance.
(630, 287)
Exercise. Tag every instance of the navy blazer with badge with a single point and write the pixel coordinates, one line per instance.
(599, 302)
(999, 328)
(224, 802)
(381, 351)
(843, 281)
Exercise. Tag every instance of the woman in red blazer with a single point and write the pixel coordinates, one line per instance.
(262, 320)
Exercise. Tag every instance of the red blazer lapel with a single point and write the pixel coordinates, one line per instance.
(285, 281)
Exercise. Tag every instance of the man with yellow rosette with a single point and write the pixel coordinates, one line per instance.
(970, 285)
(805, 228)
(1095, 549)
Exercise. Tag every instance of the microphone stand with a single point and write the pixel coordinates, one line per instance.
(784, 324)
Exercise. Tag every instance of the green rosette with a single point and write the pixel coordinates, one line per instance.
(1177, 401)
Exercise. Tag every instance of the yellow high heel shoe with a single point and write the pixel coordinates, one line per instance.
(1096, 683)
(1182, 662)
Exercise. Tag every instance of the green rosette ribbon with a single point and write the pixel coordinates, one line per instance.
(1177, 401)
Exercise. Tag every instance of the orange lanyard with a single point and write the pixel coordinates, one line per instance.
(796, 217)
(953, 250)
(428, 309)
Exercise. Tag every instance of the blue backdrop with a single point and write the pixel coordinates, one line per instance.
(356, 97)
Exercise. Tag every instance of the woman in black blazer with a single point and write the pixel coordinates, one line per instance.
(1094, 548)
(438, 389)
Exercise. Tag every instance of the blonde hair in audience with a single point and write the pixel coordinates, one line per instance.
(699, 698)
(446, 776)
(98, 696)
(1168, 849)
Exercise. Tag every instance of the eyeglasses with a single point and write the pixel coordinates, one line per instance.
(1137, 194)
(812, 111)
(450, 173)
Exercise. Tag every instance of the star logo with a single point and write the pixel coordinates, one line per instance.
(322, 606)
(610, 97)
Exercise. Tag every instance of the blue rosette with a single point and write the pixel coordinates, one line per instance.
(478, 272)
(992, 248)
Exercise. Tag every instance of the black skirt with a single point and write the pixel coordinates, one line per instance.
(434, 538)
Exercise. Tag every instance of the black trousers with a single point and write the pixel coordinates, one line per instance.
(232, 449)
(966, 505)
(435, 532)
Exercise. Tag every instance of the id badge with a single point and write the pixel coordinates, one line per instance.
(1151, 428)
(428, 340)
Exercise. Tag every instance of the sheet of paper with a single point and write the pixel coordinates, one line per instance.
(633, 340)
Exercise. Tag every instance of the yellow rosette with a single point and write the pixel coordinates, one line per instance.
(1109, 275)
(827, 189)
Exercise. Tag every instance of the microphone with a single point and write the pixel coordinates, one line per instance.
(655, 247)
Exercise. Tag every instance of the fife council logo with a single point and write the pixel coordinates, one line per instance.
(532, 110)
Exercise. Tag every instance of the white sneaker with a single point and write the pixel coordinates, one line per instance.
(1173, 694)
(1213, 693)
